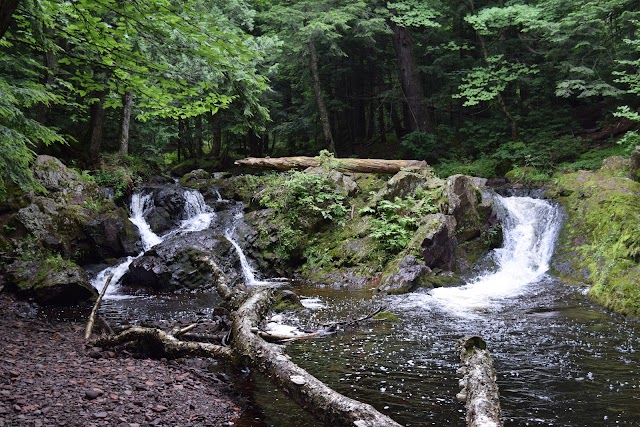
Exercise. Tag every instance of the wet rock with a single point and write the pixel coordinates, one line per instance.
(176, 263)
(113, 235)
(168, 207)
(410, 274)
(437, 241)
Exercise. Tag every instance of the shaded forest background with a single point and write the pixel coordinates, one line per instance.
(478, 86)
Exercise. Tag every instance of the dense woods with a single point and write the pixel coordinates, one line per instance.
(480, 87)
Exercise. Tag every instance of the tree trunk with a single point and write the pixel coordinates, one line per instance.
(322, 108)
(97, 126)
(480, 391)
(410, 80)
(127, 104)
(7, 7)
(198, 140)
(345, 164)
(216, 135)
(181, 136)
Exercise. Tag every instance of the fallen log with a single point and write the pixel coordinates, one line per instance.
(479, 387)
(327, 405)
(166, 343)
(342, 164)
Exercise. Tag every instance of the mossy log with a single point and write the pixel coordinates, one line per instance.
(344, 164)
(479, 387)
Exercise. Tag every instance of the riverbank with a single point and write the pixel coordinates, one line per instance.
(49, 377)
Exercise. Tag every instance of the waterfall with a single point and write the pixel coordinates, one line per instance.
(197, 215)
(530, 229)
(140, 204)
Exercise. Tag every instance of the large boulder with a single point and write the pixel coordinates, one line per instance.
(406, 182)
(168, 206)
(177, 263)
(437, 242)
(464, 198)
(50, 281)
(74, 218)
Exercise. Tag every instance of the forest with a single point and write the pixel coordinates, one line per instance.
(454, 219)
(476, 87)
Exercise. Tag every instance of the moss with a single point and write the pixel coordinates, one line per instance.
(385, 316)
(601, 241)
(286, 301)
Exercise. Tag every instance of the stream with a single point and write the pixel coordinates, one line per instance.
(560, 360)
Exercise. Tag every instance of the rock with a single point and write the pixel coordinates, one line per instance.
(410, 274)
(52, 280)
(194, 177)
(464, 199)
(53, 175)
(437, 242)
(406, 182)
(168, 207)
(343, 181)
(93, 393)
(176, 264)
(113, 235)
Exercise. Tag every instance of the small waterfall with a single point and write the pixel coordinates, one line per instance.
(530, 229)
(140, 204)
(197, 215)
(247, 270)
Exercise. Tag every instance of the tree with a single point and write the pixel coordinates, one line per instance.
(7, 8)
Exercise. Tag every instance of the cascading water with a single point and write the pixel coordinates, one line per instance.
(197, 215)
(530, 228)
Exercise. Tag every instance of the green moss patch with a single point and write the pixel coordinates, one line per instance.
(601, 240)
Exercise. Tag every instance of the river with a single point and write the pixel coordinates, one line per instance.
(560, 360)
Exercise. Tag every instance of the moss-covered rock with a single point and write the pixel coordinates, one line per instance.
(50, 280)
(600, 243)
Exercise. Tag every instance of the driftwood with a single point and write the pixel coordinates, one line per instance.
(343, 164)
(248, 348)
(94, 311)
(166, 343)
(479, 388)
(333, 408)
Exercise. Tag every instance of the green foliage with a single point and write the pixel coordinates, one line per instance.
(484, 167)
(301, 203)
(394, 222)
(122, 173)
(424, 146)
(484, 83)
(301, 195)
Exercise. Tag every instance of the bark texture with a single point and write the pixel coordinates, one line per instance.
(410, 80)
(329, 406)
(480, 391)
(345, 164)
(322, 107)
(7, 7)
(125, 124)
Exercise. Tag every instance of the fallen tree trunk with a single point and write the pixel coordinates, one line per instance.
(94, 312)
(329, 406)
(344, 164)
(166, 343)
(479, 388)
